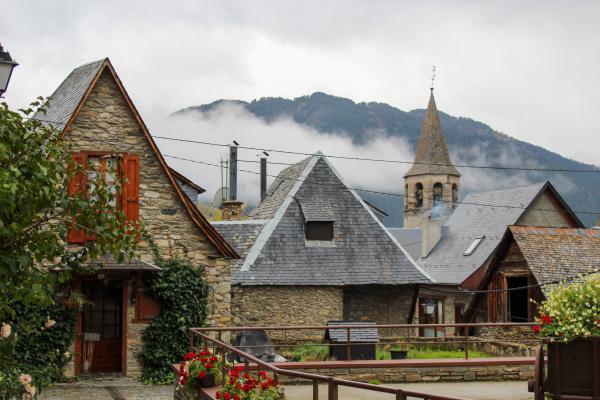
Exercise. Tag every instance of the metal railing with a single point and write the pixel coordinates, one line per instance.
(333, 384)
(464, 338)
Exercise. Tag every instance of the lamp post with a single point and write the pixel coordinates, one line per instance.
(6, 67)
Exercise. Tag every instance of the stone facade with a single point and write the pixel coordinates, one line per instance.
(384, 305)
(451, 301)
(105, 123)
(413, 214)
(287, 305)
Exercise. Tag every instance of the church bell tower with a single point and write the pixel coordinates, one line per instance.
(432, 183)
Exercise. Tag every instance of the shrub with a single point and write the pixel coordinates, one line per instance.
(181, 291)
(37, 346)
(571, 311)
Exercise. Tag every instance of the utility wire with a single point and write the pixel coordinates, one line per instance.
(374, 191)
(499, 167)
(382, 160)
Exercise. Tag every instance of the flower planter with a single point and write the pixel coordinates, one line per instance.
(573, 370)
(208, 381)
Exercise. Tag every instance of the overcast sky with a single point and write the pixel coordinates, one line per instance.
(528, 69)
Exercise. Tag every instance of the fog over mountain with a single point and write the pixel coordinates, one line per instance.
(340, 126)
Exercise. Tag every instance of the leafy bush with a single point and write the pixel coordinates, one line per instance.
(181, 291)
(37, 345)
(571, 311)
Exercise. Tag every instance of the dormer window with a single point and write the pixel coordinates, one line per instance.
(319, 230)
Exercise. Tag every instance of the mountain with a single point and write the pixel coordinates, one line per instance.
(470, 142)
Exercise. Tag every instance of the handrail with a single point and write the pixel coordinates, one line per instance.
(333, 382)
(361, 326)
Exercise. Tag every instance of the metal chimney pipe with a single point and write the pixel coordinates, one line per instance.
(263, 178)
(233, 152)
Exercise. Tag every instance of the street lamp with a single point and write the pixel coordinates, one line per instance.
(6, 67)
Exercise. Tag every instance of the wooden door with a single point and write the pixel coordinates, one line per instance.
(103, 318)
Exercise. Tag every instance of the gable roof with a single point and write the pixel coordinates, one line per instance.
(63, 107)
(362, 252)
(479, 214)
(432, 155)
(555, 254)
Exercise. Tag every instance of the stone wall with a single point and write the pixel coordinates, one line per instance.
(426, 374)
(287, 305)
(105, 123)
(382, 304)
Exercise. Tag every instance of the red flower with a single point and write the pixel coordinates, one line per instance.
(239, 386)
(263, 374)
(189, 356)
(239, 368)
(536, 329)
(546, 319)
(598, 321)
(209, 366)
(204, 359)
(214, 359)
(236, 397)
(218, 395)
(201, 374)
(226, 396)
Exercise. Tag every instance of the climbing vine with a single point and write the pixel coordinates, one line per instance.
(182, 292)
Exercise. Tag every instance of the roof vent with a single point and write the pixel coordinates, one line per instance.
(474, 245)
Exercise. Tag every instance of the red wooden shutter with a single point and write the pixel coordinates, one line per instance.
(131, 187)
(147, 307)
(76, 186)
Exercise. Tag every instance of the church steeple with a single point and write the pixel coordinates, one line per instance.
(432, 156)
(432, 182)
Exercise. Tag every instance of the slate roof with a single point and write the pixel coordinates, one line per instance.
(554, 254)
(410, 239)
(68, 95)
(432, 156)
(240, 234)
(361, 335)
(279, 190)
(474, 218)
(362, 252)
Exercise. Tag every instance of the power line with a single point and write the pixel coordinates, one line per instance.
(382, 160)
(375, 191)
(498, 167)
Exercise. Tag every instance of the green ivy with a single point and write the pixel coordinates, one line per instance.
(34, 349)
(181, 291)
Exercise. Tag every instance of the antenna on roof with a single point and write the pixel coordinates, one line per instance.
(432, 77)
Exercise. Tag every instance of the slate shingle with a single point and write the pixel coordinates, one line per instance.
(362, 252)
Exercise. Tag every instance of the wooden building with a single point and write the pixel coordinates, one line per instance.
(528, 263)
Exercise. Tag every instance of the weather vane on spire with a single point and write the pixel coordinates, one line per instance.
(432, 76)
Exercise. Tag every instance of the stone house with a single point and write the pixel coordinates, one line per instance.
(313, 251)
(99, 120)
(534, 259)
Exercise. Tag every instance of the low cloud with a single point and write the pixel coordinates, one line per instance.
(233, 122)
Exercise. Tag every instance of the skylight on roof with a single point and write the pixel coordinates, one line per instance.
(473, 246)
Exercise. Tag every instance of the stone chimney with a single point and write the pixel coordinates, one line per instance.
(431, 232)
(232, 210)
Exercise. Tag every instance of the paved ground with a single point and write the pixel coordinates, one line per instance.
(470, 390)
(109, 390)
(132, 390)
